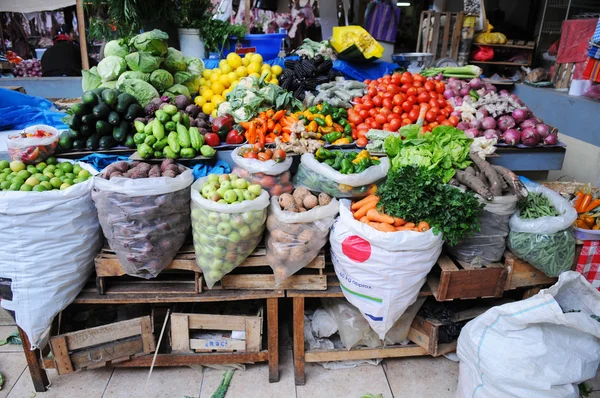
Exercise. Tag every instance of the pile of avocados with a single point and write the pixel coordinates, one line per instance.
(102, 120)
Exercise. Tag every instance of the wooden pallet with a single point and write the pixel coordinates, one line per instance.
(442, 39)
(99, 346)
(452, 279)
(253, 274)
(522, 274)
(563, 74)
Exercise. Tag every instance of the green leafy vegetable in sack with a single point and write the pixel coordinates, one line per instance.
(90, 79)
(117, 48)
(153, 42)
(143, 62)
(111, 67)
(418, 193)
(161, 79)
(141, 90)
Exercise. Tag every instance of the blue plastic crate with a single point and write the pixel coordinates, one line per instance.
(267, 45)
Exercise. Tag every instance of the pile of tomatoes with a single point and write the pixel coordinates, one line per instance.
(393, 101)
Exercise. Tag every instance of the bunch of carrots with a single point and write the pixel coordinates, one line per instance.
(365, 211)
(268, 125)
(588, 210)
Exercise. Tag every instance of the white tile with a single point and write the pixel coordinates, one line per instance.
(4, 332)
(347, 383)
(423, 377)
(254, 381)
(165, 382)
(12, 366)
(86, 383)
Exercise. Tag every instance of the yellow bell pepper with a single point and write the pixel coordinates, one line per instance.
(329, 121)
(344, 188)
(325, 130)
(341, 141)
(312, 127)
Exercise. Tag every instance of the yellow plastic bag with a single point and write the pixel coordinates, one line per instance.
(490, 37)
(345, 39)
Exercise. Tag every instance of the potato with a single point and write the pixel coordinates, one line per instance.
(281, 236)
(286, 201)
(299, 194)
(296, 254)
(306, 235)
(165, 163)
(324, 199)
(169, 173)
(121, 166)
(181, 168)
(272, 223)
(172, 167)
(114, 175)
(154, 171)
(145, 167)
(310, 201)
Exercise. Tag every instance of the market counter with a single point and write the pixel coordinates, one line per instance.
(47, 87)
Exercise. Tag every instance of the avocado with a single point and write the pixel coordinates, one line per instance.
(75, 122)
(114, 118)
(124, 100)
(103, 127)
(133, 111)
(110, 96)
(89, 119)
(89, 98)
(79, 109)
(107, 142)
(65, 141)
(93, 142)
(101, 110)
(79, 144)
(120, 132)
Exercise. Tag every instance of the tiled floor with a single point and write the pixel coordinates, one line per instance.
(394, 378)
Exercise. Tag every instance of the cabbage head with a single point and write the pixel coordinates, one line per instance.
(161, 79)
(192, 82)
(111, 67)
(178, 89)
(143, 62)
(117, 48)
(175, 61)
(194, 65)
(110, 84)
(141, 90)
(90, 79)
(131, 74)
(153, 42)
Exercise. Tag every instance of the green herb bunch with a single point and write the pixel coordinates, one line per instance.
(418, 194)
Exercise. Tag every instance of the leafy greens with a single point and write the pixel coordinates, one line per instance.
(443, 150)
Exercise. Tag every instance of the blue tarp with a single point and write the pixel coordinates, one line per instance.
(19, 110)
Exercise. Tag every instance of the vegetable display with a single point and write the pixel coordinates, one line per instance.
(365, 211)
(587, 206)
(328, 123)
(102, 120)
(306, 74)
(416, 194)
(311, 49)
(28, 68)
(135, 170)
(44, 176)
(347, 162)
(270, 125)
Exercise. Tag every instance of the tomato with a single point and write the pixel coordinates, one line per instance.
(380, 119)
(377, 100)
(362, 126)
(375, 125)
(394, 89)
(419, 78)
(372, 91)
(386, 127)
(387, 103)
(354, 118)
(429, 86)
(405, 88)
(406, 121)
(444, 111)
(446, 123)
(406, 78)
(440, 118)
(417, 84)
(396, 79)
(440, 87)
(423, 97)
(404, 116)
(367, 81)
(433, 103)
(363, 113)
(362, 141)
(397, 110)
(442, 103)
(430, 116)
(390, 117)
(433, 95)
(421, 90)
(454, 120)
(368, 104)
(358, 100)
(387, 94)
(251, 155)
(412, 100)
(366, 97)
(385, 112)
(369, 120)
(433, 125)
(411, 91)
(413, 115)
(373, 112)
(395, 124)
(398, 99)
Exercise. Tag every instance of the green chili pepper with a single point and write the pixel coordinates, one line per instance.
(320, 122)
(333, 136)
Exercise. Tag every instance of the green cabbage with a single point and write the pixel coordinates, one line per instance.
(141, 90)
(117, 48)
(153, 42)
(178, 89)
(90, 79)
(182, 77)
(110, 84)
(111, 67)
(175, 61)
(143, 62)
(131, 74)
(194, 65)
(161, 79)
(192, 82)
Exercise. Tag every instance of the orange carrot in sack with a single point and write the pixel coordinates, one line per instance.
(360, 203)
(374, 215)
(398, 222)
(364, 219)
(364, 209)
(409, 225)
(384, 227)
(423, 226)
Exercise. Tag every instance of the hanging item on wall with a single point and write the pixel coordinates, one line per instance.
(381, 20)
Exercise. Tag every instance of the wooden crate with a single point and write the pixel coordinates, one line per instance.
(522, 274)
(182, 341)
(452, 279)
(253, 274)
(96, 347)
(425, 333)
(440, 34)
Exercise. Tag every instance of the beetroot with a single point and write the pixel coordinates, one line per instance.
(530, 137)
(511, 137)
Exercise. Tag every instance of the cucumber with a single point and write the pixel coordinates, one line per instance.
(101, 110)
(133, 111)
(75, 122)
(79, 109)
(65, 141)
(89, 119)
(120, 132)
(79, 144)
(110, 96)
(86, 131)
(93, 142)
(89, 98)
(114, 118)
(103, 127)
(107, 142)
(123, 102)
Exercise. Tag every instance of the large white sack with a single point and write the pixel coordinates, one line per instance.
(48, 244)
(381, 273)
(540, 347)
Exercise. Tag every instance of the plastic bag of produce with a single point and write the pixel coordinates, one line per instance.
(273, 177)
(320, 177)
(295, 239)
(545, 242)
(540, 347)
(487, 245)
(381, 273)
(145, 220)
(225, 234)
(49, 241)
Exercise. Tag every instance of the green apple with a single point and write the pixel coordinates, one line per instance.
(32, 181)
(226, 184)
(249, 195)
(230, 196)
(83, 173)
(207, 251)
(225, 217)
(17, 166)
(221, 191)
(224, 228)
(234, 237)
(24, 174)
(208, 187)
(51, 160)
(64, 186)
(14, 187)
(59, 173)
(51, 168)
(236, 221)
(48, 174)
(232, 177)
(5, 185)
(47, 185)
(205, 239)
(244, 232)
(240, 194)
(213, 178)
(39, 188)
(10, 176)
(70, 176)
(66, 167)
(215, 274)
(255, 189)
(41, 166)
(219, 252)
(56, 182)
(4, 164)
(221, 241)
(214, 218)
(248, 217)
(76, 169)
(211, 230)
(43, 178)
(31, 169)
(68, 181)
(26, 187)
(240, 183)
(222, 201)
(215, 197)
(223, 177)
(256, 226)
(227, 267)
(196, 214)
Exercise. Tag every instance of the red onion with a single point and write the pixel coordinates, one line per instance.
(458, 101)
(453, 84)
(488, 123)
(464, 91)
(527, 124)
(516, 98)
(530, 137)
(475, 83)
(543, 130)
(551, 139)
(490, 87)
(475, 124)
(439, 77)
(503, 93)
(506, 122)
(519, 115)
(511, 137)
(481, 113)
(472, 133)
(491, 133)
(462, 126)
(455, 113)
(448, 93)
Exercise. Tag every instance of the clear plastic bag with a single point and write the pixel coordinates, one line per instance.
(275, 185)
(31, 150)
(295, 239)
(144, 220)
(269, 167)
(320, 177)
(487, 245)
(225, 234)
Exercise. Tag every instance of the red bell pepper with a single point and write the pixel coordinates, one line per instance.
(234, 137)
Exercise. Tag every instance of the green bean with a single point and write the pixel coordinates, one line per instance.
(552, 254)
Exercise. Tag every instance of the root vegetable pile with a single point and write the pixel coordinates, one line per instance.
(365, 211)
(302, 200)
(135, 170)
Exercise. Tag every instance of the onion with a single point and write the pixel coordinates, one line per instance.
(530, 137)
(458, 101)
(529, 123)
(505, 122)
(462, 126)
(511, 137)
(453, 79)
(543, 130)
(455, 113)
(464, 91)
(439, 77)
(481, 113)
(472, 133)
(503, 93)
(448, 93)
(475, 83)
(453, 84)
(551, 139)
(490, 87)
(475, 124)
(491, 133)
(519, 115)
(488, 123)
(467, 98)
(456, 92)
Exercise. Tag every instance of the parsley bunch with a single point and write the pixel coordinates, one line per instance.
(416, 194)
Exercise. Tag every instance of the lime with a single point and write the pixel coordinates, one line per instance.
(39, 188)
(70, 176)
(4, 164)
(77, 181)
(67, 181)
(50, 168)
(76, 169)
(66, 167)
(14, 187)
(62, 178)
(46, 185)
(5, 185)
(24, 174)
(2, 178)
(10, 177)
(83, 173)
(40, 166)
(56, 182)
(59, 173)
(18, 180)
(49, 175)
(64, 186)
(16, 165)
(31, 169)
(44, 178)
(51, 160)
(37, 175)
(32, 181)
(26, 188)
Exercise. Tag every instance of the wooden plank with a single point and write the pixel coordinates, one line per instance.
(428, 33)
(218, 344)
(253, 334)
(147, 336)
(194, 359)
(61, 355)
(273, 338)
(446, 36)
(522, 274)
(475, 283)
(39, 377)
(364, 353)
(107, 352)
(103, 334)
(532, 291)
(456, 36)
(217, 322)
(419, 44)
(424, 334)
(85, 62)
(446, 264)
(180, 333)
(298, 331)
(259, 281)
(436, 34)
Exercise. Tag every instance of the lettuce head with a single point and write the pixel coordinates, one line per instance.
(143, 62)
(111, 67)
(141, 90)
(175, 60)
(117, 48)
(153, 42)
(161, 79)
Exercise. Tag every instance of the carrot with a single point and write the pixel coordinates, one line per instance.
(364, 209)
(398, 222)
(364, 219)
(270, 138)
(245, 125)
(593, 204)
(270, 113)
(362, 202)
(383, 227)
(403, 228)
(578, 198)
(270, 125)
(277, 129)
(409, 225)
(285, 137)
(423, 226)
(279, 114)
(374, 215)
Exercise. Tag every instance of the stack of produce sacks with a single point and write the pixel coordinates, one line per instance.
(144, 211)
(228, 220)
(49, 241)
(298, 226)
(273, 175)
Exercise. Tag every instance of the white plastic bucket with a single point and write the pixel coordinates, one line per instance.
(191, 43)
(39, 52)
